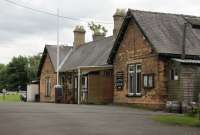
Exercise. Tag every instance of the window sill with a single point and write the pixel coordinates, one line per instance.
(148, 87)
(134, 95)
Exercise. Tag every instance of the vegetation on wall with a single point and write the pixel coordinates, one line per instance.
(18, 72)
(97, 29)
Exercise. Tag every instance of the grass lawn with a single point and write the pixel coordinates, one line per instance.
(182, 120)
(10, 98)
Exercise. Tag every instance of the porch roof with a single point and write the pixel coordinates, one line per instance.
(91, 68)
(187, 61)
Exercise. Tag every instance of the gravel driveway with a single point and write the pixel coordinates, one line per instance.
(57, 119)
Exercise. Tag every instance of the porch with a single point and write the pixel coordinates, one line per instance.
(88, 85)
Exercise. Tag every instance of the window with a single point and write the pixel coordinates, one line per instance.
(148, 81)
(94, 73)
(62, 80)
(174, 74)
(134, 79)
(47, 87)
(76, 82)
(108, 73)
(84, 83)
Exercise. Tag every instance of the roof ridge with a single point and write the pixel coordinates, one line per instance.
(65, 45)
(89, 43)
(155, 12)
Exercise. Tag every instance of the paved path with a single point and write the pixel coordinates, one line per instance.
(56, 119)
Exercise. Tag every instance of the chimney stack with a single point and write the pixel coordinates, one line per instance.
(98, 36)
(118, 18)
(79, 36)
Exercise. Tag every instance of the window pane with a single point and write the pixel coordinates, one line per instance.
(86, 83)
(139, 67)
(75, 82)
(134, 79)
(175, 74)
(46, 88)
(138, 82)
(172, 74)
(49, 87)
(83, 81)
(150, 81)
(130, 83)
(145, 81)
(134, 83)
(131, 68)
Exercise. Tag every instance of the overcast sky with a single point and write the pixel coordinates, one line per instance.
(24, 32)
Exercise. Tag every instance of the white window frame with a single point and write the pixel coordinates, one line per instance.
(148, 81)
(135, 71)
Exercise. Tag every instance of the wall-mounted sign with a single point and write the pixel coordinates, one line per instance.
(119, 80)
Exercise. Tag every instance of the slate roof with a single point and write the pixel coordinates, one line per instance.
(51, 50)
(164, 32)
(93, 53)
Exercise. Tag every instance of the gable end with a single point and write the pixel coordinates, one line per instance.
(129, 17)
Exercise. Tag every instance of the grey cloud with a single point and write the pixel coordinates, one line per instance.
(19, 24)
(16, 22)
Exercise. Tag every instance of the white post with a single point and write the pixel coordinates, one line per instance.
(58, 47)
(79, 84)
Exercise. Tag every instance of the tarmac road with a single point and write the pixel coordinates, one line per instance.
(57, 119)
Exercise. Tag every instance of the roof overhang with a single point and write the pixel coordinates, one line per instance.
(186, 61)
(90, 68)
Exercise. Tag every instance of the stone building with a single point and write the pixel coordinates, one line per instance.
(156, 59)
(47, 71)
(85, 75)
(88, 78)
(151, 58)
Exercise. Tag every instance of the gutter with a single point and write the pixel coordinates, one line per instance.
(108, 66)
(81, 67)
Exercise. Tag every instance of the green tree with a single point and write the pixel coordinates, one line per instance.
(17, 73)
(32, 67)
(3, 76)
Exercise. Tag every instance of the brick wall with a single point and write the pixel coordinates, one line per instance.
(47, 72)
(134, 48)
